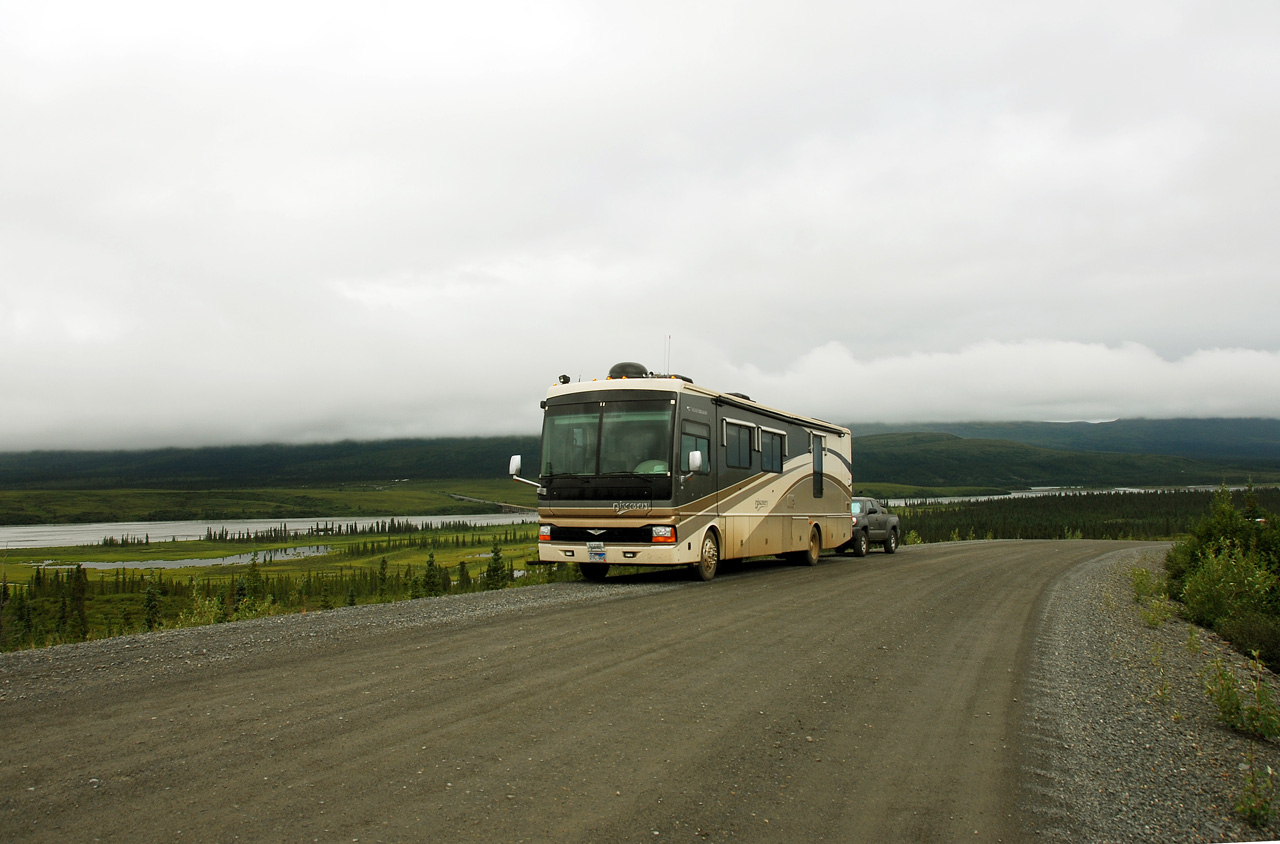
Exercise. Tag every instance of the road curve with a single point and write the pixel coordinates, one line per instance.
(864, 699)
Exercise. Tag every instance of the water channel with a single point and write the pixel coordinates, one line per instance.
(61, 536)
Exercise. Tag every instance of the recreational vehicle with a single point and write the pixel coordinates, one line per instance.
(641, 469)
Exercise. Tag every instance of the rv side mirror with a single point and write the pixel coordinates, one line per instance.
(695, 461)
(513, 469)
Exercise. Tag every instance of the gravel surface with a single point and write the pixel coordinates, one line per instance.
(124, 660)
(1121, 742)
(1116, 740)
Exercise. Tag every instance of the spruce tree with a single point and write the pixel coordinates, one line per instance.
(151, 608)
(255, 587)
(78, 620)
(464, 577)
(431, 584)
(495, 576)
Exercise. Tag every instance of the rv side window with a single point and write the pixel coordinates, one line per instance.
(819, 446)
(695, 436)
(737, 442)
(771, 450)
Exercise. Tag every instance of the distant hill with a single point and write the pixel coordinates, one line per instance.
(1239, 441)
(1005, 455)
(238, 467)
(928, 459)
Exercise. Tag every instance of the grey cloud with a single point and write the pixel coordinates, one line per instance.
(440, 211)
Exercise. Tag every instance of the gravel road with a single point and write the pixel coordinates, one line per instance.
(985, 691)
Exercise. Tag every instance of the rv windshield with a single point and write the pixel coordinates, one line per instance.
(595, 438)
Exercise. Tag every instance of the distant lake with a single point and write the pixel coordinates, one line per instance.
(1038, 491)
(58, 536)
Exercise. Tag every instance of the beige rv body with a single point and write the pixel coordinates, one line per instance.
(757, 493)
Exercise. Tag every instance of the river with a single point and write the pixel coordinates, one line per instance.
(61, 536)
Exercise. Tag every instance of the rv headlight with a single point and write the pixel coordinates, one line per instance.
(544, 533)
(664, 533)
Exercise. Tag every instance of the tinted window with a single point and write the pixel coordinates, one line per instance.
(694, 436)
(819, 446)
(607, 438)
(770, 451)
(737, 446)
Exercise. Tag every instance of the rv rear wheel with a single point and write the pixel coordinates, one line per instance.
(705, 568)
(814, 551)
(595, 572)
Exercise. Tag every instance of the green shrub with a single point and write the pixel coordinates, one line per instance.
(1254, 802)
(1255, 716)
(1177, 564)
(1156, 612)
(1146, 584)
(1253, 632)
(203, 611)
(1227, 582)
(1221, 687)
(1252, 529)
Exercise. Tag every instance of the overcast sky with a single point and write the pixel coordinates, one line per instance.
(299, 222)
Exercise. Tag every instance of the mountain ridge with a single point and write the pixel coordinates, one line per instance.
(1004, 454)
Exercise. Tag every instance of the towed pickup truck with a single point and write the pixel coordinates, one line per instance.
(872, 523)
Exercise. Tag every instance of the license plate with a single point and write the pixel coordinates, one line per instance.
(595, 552)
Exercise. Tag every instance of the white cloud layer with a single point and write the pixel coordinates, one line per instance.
(301, 222)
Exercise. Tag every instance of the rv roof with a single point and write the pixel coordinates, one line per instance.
(673, 384)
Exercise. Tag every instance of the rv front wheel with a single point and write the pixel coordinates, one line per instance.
(705, 568)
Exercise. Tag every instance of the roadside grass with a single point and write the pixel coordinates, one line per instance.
(1236, 693)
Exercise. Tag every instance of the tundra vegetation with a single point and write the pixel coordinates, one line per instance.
(43, 604)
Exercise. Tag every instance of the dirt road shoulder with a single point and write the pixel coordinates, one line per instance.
(1122, 744)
